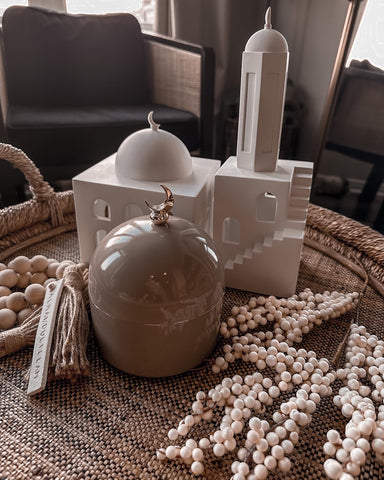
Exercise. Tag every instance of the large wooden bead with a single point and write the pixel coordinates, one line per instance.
(20, 264)
(23, 315)
(39, 263)
(51, 269)
(4, 291)
(16, 301)
(7, 318)
(38, 277)
(8, 278)
(24, 280)
(34, 294)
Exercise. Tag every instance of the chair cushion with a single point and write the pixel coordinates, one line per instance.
(87, 135)
(73, 59)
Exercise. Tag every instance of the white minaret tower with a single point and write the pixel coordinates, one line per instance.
(262, 95)
(260, 200)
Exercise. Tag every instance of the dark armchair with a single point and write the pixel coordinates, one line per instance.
(77, 85)
(356, 132)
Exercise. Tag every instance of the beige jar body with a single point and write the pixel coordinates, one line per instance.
(156, 296)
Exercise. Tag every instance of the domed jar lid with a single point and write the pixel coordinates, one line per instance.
(156, 286)
(153, 155)
(267, 40)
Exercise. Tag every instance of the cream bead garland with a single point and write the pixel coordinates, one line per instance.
(29, 274)
(291, 318)
(265, 444)
(244, 398)
(365, 429)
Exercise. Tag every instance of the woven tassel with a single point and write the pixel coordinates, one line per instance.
(20, 337)
(68, 354)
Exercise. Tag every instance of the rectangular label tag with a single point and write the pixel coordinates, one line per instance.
(43, 340)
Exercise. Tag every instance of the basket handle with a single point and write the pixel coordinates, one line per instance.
(41, 190)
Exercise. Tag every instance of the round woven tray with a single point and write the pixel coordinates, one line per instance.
(110, 424)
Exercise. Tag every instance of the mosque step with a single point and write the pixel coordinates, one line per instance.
(295, 223)
(295, 213)
(300, 191)
(298, 202)
(302, 179)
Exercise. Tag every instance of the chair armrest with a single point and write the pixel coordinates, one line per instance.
(182, 76)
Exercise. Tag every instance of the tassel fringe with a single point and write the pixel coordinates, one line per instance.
(69, 358)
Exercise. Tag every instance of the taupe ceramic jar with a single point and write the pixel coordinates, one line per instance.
(156, 295)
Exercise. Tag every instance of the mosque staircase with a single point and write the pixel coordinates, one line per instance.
(257, 249)
(298, 201)
(272, 264)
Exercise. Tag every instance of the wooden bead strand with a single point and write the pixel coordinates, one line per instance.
(363, 379)
(267, 445)
(244, 399)
(33, 275)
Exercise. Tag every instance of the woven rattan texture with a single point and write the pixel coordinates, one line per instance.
(110, 424)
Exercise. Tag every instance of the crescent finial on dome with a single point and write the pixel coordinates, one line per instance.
(160, 213)
(155, 126)
(268, 16)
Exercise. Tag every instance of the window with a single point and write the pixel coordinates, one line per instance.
(144, 10)
(58, 5)
(369, 40)
(231, 231)
(266, 207)
(4, 4)
(100, 234)
(101, 209)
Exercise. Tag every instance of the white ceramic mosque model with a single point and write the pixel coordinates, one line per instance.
(116, 189)
(260, 201)
(259, 204)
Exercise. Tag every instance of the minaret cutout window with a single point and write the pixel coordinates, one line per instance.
(101, 209)
(266, 207)
(100, 234)
(231, 230)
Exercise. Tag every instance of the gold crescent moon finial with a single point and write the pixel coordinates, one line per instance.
(268, 16)
(155, 126)
(160, 213)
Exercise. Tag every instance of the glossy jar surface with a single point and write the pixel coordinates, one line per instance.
(156, 296)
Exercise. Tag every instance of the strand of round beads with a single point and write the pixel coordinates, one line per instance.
(266, 448)
(242, 398)
(33, 275)
(272, 444)
(365, 429)
(290, 318)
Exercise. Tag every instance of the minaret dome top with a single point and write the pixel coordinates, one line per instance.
(267, 40)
